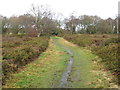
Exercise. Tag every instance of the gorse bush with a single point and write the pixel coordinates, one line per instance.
(9, 42)
(81, 40)
(110, 58)
(87, 39)
(111, 40)
(109, 55)
(19, 55)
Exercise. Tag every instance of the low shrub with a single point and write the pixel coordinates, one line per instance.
(81, 40)
(27, 51)
(10, 41)
(109, 55)
(111, 40)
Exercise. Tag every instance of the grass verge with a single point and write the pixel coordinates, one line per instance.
(45, 72)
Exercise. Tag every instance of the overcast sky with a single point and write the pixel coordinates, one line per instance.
(102, 8)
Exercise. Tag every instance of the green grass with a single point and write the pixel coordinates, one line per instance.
(86, 72)
(45, 72)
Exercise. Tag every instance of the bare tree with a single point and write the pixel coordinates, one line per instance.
(40, 13)
(72, 23)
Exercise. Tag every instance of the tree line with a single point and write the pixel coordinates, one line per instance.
(40, 20)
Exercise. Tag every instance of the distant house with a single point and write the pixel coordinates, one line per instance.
(21, 26)
(31, 26)
(7, 25)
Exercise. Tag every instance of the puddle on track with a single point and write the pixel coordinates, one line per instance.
(63, 82)
(65, 75)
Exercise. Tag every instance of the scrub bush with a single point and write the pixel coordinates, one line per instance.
(16, 55)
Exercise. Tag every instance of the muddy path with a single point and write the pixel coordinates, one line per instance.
(82, 71)
(66, 74)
